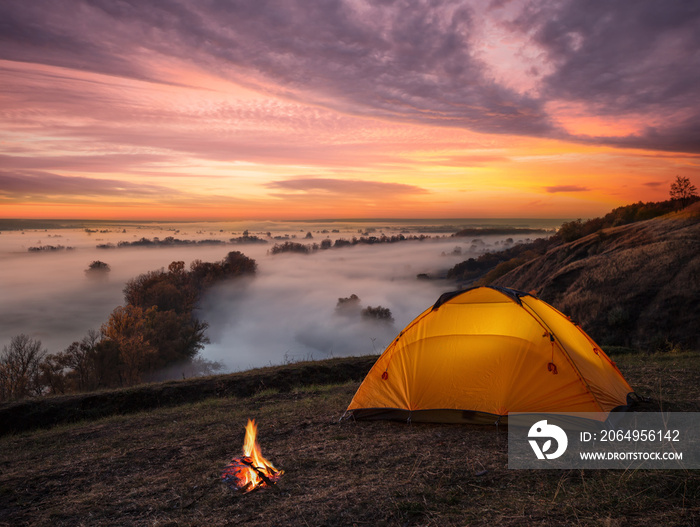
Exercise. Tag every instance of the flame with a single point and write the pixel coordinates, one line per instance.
(251, 471)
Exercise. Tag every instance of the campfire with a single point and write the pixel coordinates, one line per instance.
(251, 471)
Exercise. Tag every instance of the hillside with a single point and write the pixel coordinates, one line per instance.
(632, 285)
(163, 466)
(42, 412)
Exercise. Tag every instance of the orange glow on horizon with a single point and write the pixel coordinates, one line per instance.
(217, 150)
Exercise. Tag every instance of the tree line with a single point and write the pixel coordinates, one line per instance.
(296, 247)
(156, 328)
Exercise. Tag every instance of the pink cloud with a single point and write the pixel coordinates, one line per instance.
(344, 187)
(566, 188)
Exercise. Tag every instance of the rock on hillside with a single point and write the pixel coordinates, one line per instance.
(633, 285)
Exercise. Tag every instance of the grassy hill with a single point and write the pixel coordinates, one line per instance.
(162, 466)
(42, 412)
(631, 285)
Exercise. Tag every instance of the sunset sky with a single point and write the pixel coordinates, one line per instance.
(291, 109)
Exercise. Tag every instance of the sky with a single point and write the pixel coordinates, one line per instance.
(290, 109)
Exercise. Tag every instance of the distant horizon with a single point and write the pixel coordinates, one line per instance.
(6, 223)
(289, 220)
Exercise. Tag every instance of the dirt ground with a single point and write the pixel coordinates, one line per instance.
(163, 468)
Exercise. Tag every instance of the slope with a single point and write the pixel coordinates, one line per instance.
(633, 285)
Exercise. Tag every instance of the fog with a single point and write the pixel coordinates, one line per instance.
(286, 313)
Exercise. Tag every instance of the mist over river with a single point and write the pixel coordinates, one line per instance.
(286, 313)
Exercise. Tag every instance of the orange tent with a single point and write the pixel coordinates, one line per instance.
(478, 354)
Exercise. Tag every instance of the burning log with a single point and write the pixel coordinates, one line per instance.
(250, 471)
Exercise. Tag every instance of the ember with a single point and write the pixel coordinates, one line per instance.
(252, 470)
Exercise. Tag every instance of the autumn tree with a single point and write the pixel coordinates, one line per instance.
(155, 330)
(150, 339)
(81, 358)
(157, 327)
(167, 291)
(683, 190)
(77, 368)
(20, 373)
(176, 268)
(127, 328)
(106, 364)
(177, 338)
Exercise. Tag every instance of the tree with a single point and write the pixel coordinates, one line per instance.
(20, 373)
(290, 247)
(154, 330)
(349, 306)
(683, 190)
(379, 313)
(151, 339)
(89, 364)
(98, 270)
(107, 364)
(80, 359)
(172, 290)
(53, 374)
(127, 327)
(177, 338)
(571, 230)
(177, 267)
(238, 264)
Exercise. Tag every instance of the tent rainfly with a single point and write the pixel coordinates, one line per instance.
(481, 353)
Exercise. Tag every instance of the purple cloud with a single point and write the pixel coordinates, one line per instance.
(38, 183)
(628, 56)
(402, 60)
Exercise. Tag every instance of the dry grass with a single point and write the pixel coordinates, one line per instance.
(627, 285)
(49, 411)
(162, 467)
(671, 380)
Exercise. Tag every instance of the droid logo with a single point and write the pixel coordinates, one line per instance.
(541, 430)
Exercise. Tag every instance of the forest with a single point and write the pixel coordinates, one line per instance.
(154, 329)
